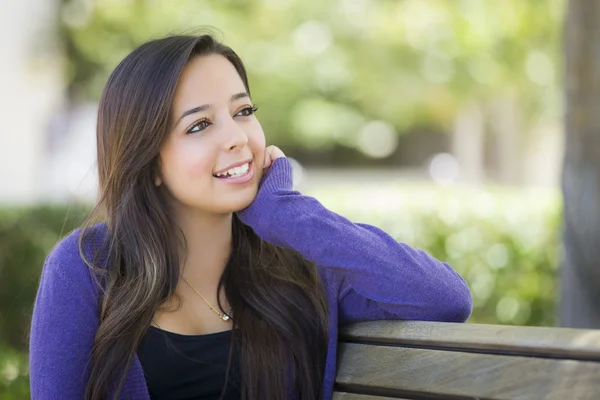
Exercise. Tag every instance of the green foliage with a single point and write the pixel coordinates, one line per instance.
(26, 237)
(503, 242)
(411, 63)
(14, 374)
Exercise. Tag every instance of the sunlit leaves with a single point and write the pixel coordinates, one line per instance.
(410, 63)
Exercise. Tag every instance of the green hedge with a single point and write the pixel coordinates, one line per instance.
(26, 237)
(505, 243)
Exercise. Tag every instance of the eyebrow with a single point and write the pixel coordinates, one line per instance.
(205, 107)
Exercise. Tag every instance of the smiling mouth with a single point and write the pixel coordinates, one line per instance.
(234, 172)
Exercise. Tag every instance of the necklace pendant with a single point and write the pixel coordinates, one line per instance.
(225, 317)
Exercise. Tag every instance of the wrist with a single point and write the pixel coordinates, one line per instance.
(279, 176)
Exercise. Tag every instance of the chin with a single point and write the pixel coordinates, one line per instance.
(237, 204)
(243, 204)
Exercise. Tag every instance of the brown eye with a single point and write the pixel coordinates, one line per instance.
(199, 126)
(246, 112)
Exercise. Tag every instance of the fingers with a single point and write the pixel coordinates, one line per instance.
(268, 151)
(272, 153)
(276, 153)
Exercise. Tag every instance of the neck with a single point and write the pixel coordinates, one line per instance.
(208, 239)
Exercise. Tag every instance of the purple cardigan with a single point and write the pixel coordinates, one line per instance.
(367, 275)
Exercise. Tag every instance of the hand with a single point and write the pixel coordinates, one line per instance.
(272, 185)
(272, 153)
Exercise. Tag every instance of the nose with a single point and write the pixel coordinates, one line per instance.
(235, 137)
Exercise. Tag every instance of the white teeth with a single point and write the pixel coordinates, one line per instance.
(236, 171)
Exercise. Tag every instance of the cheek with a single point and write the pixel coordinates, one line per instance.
(185, 163)
(257, 142)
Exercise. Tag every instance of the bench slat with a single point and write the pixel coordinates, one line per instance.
(353, 396)
(410, 372)
(566, 343)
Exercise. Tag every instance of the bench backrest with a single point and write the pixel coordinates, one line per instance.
(428, 360)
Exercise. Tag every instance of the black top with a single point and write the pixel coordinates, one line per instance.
(181, 367)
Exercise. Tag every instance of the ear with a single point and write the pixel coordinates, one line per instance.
(157, 174)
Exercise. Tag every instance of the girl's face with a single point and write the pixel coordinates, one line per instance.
(213, 158)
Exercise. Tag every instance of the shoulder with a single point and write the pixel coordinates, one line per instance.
(68, 249)
(65, 261)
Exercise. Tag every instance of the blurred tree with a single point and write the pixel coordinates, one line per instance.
(324, 71)
(580, 299)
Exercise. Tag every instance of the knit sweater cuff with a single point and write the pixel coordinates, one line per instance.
(279, 176)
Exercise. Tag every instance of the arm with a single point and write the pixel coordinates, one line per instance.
(64, 324)
(379, 277)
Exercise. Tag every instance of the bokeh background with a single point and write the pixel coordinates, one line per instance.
(439, 121)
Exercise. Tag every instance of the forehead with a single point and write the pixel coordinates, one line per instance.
(208, 79)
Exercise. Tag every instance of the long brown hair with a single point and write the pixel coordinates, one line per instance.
(278, 299)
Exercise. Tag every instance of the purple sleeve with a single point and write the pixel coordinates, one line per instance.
(379, 278)
(63, 326)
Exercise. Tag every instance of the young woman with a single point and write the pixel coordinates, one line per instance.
(202, 274)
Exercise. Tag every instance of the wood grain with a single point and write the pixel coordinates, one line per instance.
(418, 373)
(577, 344)
(353, 396)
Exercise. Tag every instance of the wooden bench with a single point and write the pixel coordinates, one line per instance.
(427, 360)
